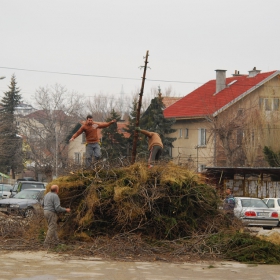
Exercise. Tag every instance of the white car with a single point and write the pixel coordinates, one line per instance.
(274, 204)
(254, 212)
(5, 190)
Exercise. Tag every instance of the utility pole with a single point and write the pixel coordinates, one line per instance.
(135, 139)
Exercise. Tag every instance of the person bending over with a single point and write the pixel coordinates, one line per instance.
(155, 145)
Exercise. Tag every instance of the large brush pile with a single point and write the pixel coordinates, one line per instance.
(165, 202)
(165, 213)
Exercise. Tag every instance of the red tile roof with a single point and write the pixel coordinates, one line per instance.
(203, 101)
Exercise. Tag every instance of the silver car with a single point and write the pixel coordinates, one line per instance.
(254, 212)
(5, 190)
(24, 203)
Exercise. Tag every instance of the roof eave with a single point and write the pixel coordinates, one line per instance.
(186, 117)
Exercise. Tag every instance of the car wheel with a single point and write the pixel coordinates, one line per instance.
(29, 213)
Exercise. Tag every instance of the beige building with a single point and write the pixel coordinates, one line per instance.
(227, 121)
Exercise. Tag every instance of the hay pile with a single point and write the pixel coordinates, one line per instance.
(165, 202)
(133, 213)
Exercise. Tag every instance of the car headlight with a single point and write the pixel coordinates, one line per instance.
(14, 206)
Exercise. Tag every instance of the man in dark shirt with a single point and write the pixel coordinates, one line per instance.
(51, 205)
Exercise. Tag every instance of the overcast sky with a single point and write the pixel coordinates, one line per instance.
(187, 41)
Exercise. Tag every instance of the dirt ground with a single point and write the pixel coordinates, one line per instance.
(44, 265)
(121, 257)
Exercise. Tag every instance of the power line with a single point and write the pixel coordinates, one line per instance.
(71, 74)
(111, 77)
(97, 76)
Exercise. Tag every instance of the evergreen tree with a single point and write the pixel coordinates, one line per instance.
(11, 142)
(153, 120)
(114, 144)
(271, 157)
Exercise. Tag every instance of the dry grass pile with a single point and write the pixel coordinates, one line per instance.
(165, 202)
(166, 213)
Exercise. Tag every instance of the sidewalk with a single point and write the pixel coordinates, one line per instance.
(47, 266)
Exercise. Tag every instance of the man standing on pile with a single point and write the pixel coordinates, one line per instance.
(155, 145)
(92, 142)
(51, 205)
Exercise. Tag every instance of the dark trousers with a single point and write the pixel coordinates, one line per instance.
(92, 149)
(155, 154)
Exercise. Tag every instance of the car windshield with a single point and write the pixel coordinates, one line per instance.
(30, 194)
(254, 203)
(5, 188)
(32, 186)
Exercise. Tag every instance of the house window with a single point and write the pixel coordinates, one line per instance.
(260, 102)
(186, 133)
(240, 112)
(77, 158)
(239, 137)
(267, 104)
(170, 151)
(201, 137)
(253, 138)
(180, 132)
(275, 104)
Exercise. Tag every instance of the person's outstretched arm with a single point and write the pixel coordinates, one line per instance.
(103, 125)
(145, 132)
(81, 129)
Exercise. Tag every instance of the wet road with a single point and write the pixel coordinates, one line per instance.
(48, 266)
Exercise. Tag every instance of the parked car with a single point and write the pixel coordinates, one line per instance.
(254, 212)
(274, 204)
(23, 185)
(5, 190)
(24, 203)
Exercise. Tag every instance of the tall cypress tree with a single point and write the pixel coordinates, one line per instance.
(11, 143)
(153, 120)
(114, 143)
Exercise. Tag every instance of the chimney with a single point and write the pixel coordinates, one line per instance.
(220, 80)
(254, 72)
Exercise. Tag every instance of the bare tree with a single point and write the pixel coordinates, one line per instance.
(45, 130)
